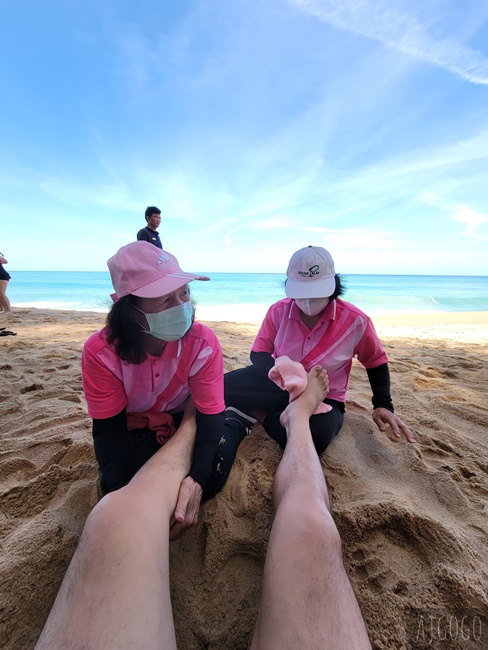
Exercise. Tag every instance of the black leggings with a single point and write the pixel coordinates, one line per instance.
(249, 390)
(143, 444)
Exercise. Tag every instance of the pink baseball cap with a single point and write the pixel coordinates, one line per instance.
(143, 270)
(310, 274)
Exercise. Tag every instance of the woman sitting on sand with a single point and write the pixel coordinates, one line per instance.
(141, 369)
(313, 326)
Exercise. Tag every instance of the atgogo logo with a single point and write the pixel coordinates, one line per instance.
(312, 272)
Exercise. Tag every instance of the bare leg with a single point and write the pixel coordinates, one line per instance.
(307, 599)
(115, 593)
(4, 301)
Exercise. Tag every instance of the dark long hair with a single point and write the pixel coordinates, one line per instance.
(340, 288)
(124, 332)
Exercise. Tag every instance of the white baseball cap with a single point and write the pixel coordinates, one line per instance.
(310, 274)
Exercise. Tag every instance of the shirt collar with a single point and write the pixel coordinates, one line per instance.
(330, 311)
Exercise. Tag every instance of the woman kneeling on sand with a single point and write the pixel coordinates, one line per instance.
(140, 371)
(312, 326)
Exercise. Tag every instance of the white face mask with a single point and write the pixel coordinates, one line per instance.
(312, 306)
(171, 324)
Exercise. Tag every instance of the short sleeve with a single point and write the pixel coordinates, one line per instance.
(206, 377)
(369, 350)
(265, 339)
(104, 392)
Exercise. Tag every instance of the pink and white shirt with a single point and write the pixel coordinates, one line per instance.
(192, 365)
(342, 333)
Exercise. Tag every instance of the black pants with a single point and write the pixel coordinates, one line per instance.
(143, 444)
(249, 390)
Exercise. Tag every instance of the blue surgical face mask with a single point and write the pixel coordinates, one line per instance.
(312, 306)
(171, 324)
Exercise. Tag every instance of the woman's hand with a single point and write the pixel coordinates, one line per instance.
(187, 507)
(384, 418)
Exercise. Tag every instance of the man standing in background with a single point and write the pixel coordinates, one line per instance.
(150, 233)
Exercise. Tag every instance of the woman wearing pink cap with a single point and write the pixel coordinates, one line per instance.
(313, 326)
(140, 371)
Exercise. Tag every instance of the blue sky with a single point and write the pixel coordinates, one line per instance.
(256, 126)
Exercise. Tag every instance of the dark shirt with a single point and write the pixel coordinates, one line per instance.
(152, 236)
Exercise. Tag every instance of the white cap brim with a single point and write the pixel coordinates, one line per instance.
(322, 288)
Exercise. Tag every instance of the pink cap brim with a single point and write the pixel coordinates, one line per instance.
(165, 285)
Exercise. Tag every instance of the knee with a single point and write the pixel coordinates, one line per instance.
(115, 517)
(322, 436)
(321, 527)
(107, 516)
(311, 523)
(234, 378)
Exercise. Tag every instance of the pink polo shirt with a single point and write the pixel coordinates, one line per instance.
(193, 365)
(343, 332)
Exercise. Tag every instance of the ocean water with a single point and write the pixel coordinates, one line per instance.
(246, 296)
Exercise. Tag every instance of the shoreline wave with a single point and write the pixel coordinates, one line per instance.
(255, 312)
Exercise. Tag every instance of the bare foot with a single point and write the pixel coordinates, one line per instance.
(306, 403)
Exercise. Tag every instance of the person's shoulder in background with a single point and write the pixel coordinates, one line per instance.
(142, 235)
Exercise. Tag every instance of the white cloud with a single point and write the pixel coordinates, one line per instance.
(470, 218)
(429, 198)
(272, 224)
(227, 238)
(363, 238)
(379, 21)
(316, 230)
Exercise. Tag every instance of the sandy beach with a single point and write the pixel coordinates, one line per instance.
(412, 517)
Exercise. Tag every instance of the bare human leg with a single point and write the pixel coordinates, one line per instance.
(4, 301)
(307, 600)
(115, 593)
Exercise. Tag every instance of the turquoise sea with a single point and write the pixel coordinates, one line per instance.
(246, 296)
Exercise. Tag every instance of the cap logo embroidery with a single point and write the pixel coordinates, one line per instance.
(312, 271)
(163, 262)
